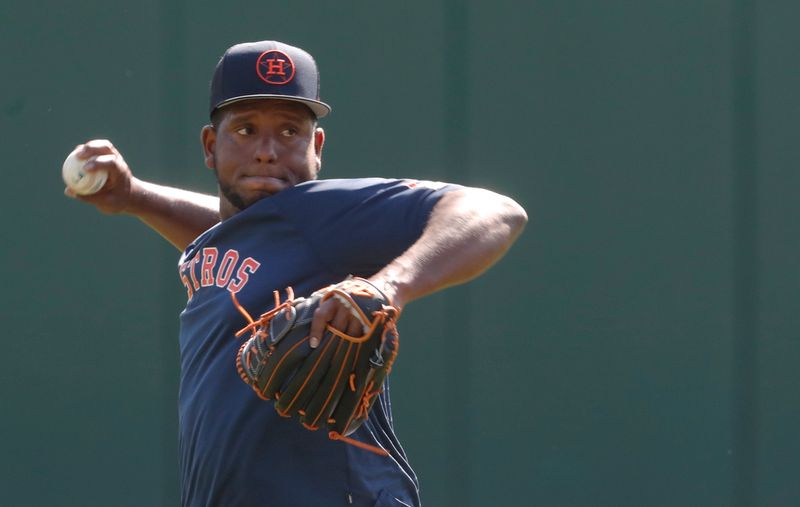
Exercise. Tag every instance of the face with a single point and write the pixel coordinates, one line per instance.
(259, 148)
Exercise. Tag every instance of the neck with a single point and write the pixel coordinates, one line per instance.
(226, 209)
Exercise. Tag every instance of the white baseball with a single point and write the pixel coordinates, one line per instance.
(77, 179)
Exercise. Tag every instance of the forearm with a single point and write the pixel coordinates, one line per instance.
(467, 232)
(177, 215)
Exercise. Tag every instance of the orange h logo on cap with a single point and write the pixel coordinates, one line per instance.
(275, 67)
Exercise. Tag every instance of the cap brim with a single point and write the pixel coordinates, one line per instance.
(320, 109)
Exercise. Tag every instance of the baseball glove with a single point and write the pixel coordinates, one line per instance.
(334, 384)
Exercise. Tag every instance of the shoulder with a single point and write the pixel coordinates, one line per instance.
(369, 187)
(346, 185)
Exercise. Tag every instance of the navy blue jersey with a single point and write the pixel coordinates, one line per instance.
(235, 450)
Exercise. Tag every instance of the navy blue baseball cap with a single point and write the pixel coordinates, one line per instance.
(266, 70)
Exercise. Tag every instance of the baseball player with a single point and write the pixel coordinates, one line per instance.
(275, 225)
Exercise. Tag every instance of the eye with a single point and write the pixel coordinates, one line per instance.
(244, 131)
(289, 132)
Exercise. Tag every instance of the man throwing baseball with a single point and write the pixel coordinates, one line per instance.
(275, 225)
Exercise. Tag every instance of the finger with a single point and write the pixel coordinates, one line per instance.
(105, 161)
(101, 145)
(355, 328)
(78, 197)
(108, 163)
(341, 320)
(95, 147)
(89, 198)
(345, 321)
(322, 315)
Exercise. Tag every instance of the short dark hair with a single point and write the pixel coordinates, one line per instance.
(216, 118)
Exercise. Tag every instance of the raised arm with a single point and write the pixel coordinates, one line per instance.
(468, 230)
(177, 215)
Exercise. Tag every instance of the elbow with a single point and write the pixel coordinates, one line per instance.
(514, 216)
(496, 214)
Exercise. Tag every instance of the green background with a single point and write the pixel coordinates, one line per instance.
(637, 347)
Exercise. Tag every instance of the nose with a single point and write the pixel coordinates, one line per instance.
(266, 150)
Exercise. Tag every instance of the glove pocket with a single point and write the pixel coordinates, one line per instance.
(280, 361)
(301, 384)
(336, 380)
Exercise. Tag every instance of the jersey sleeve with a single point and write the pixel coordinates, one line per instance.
(358, 226)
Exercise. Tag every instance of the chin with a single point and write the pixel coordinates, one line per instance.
(255, 196)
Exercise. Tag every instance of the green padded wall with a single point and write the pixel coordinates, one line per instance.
(638, 345)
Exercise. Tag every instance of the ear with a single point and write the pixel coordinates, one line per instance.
(319, 141)
(208, 138)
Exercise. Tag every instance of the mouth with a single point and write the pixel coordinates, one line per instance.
(263, 184)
